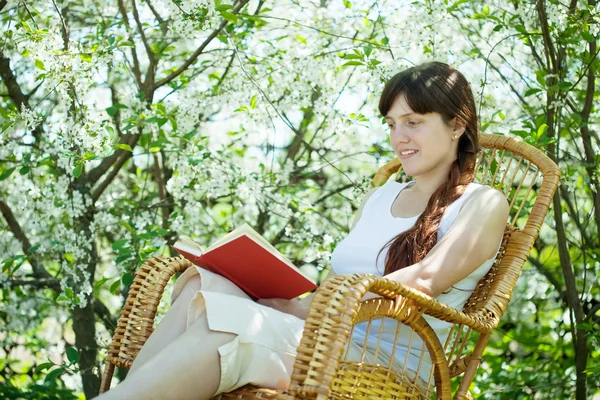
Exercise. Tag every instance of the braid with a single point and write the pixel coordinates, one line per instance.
(412, 245)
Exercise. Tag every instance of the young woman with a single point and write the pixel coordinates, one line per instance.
(439, 233)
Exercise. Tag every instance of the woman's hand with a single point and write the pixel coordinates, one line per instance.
(293, 307)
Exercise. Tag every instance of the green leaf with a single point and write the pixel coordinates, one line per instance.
(114, 288)
(126, 43)
(229, 16)
(62, 299)
(253, 102)
(43, 366)
(124, 146)
(77, 171)
(24, 170)
(531, 92)
(127, 279)
(40, 65)
(126, 225)
(223, 7)
(300, 38)
(588, 37)
(26, 26)
(69, 293)
(541, 130)
(6, 173)
(100, 282)
(119, 243)
(72, 355)
(54, 374)
(112, 110)
(352, 63)
(368, 50)
(520, 29)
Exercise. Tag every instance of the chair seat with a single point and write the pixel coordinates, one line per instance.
(250, 392)
(357, 381)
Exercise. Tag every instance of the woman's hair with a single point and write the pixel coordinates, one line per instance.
(433, 87)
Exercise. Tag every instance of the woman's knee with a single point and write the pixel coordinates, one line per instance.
(190, 287)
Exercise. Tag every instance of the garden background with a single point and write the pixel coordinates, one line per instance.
(127, 122)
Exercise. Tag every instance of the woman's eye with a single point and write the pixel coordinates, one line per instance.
(413, 123)
(391, 126)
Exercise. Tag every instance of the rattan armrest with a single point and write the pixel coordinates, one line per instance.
(330, 319)
(430, 306)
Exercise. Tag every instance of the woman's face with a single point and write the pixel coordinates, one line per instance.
(423, 142)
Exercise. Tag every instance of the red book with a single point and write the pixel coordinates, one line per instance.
(251, 262)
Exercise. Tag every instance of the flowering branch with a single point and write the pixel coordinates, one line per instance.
(137, 72)
(126, 155)
(42, 283)
(14, 90)
(149, 81)
(17, 231)
(200, 49)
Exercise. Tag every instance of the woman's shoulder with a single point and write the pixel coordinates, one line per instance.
(486, 199)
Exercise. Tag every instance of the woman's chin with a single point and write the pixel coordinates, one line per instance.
(410, 171)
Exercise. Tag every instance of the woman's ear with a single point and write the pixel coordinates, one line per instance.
(458, 127)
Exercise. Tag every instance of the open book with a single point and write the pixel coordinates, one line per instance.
(251, 262)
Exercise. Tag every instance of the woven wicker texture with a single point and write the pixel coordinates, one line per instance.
(524, 174)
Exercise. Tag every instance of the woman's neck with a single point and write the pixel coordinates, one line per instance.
(429, 182)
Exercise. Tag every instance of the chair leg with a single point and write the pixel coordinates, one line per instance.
(463, 396)
(107, 375)
(463, 389)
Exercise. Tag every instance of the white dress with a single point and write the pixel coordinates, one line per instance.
(358, 252)
(264, 350)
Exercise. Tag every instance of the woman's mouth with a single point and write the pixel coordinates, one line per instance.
(404, 154)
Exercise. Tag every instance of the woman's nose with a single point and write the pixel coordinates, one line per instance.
(399, 135)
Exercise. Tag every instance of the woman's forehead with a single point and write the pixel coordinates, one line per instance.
(400, 108)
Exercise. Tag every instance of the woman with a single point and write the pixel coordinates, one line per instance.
(439, 233)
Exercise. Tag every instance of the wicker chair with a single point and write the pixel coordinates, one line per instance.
(524, 174)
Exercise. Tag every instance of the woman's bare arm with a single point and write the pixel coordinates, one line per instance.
(472, 239)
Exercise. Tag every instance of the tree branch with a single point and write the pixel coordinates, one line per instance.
(116, 168)
(17, 231)
(43, 283)
(590, 156)
(541, 268)
(14, 90)
(137, 72)
(200, 49)
(136, 17)
(541, 9)
(102, 312)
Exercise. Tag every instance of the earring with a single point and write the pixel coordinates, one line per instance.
(454, 137)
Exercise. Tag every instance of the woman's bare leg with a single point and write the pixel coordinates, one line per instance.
(170, 327)
(186, 368)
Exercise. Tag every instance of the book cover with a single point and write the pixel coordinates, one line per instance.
(248, 260)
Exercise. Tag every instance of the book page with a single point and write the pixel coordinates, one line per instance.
(188, 245)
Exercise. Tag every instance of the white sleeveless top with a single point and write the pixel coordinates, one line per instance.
(358, 253)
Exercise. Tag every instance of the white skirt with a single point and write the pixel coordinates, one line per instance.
(264, 349)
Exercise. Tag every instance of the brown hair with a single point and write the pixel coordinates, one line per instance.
(433, 87)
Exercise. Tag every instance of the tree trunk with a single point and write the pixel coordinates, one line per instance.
(84, 319)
